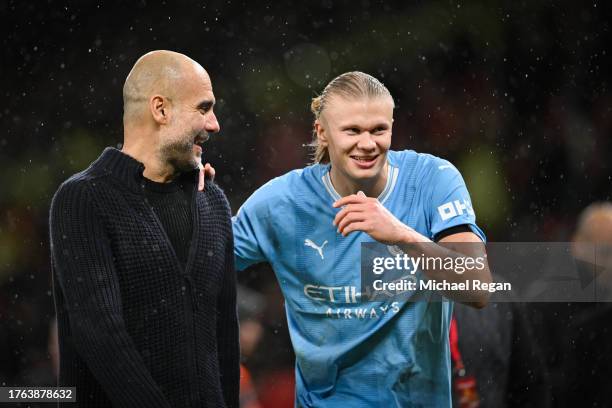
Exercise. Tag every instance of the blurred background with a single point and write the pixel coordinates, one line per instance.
(516, 94)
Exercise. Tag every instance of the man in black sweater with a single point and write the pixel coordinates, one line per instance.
(143, 264)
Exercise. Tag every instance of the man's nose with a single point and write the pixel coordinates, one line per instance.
(366, 142)
(212, 124)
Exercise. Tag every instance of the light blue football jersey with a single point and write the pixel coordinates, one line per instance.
(349, 352)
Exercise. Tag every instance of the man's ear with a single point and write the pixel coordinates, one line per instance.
(160, 109)
(321, 133)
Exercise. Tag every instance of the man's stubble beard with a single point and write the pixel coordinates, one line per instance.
(179, 154)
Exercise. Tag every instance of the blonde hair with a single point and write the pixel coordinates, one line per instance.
(350, 85)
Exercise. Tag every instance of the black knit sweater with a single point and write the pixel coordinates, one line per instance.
(135, 329)
(171, 202)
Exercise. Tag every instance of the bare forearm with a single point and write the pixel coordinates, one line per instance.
(467, 257)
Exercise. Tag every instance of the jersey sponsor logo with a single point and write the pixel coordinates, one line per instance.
(362, 313)
(334, 294)
(344, 295)
(455, 208)
(319, 249)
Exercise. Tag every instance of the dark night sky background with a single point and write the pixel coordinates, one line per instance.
(516, 94)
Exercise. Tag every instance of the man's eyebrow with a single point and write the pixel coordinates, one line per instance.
(349, 125)
(206, 104)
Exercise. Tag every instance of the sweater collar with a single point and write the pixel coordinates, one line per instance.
(125, 168)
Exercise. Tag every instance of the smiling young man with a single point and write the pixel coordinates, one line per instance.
(309, 225)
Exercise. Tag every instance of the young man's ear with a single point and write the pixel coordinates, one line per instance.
(321, 134)
(160, 109)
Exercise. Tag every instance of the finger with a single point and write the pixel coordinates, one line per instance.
(201, 180)
(209, 171)
(349, 219)
(355, 226)
(361, 193)
(350, 199)
(346, 210)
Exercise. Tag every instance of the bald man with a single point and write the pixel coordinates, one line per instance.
(576, 337)
(587, 355)
(595, 227)
(143, 268)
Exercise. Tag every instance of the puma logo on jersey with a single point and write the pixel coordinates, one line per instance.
(309, 243)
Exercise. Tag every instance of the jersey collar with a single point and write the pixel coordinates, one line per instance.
(392, 173)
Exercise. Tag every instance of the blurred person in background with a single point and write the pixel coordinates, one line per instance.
(575, 336)
(250, 306)
(271, 388)
(264, 341)
(309, 225)
(143, 266)
(496, 359)
(587, 357)
(593, 245)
